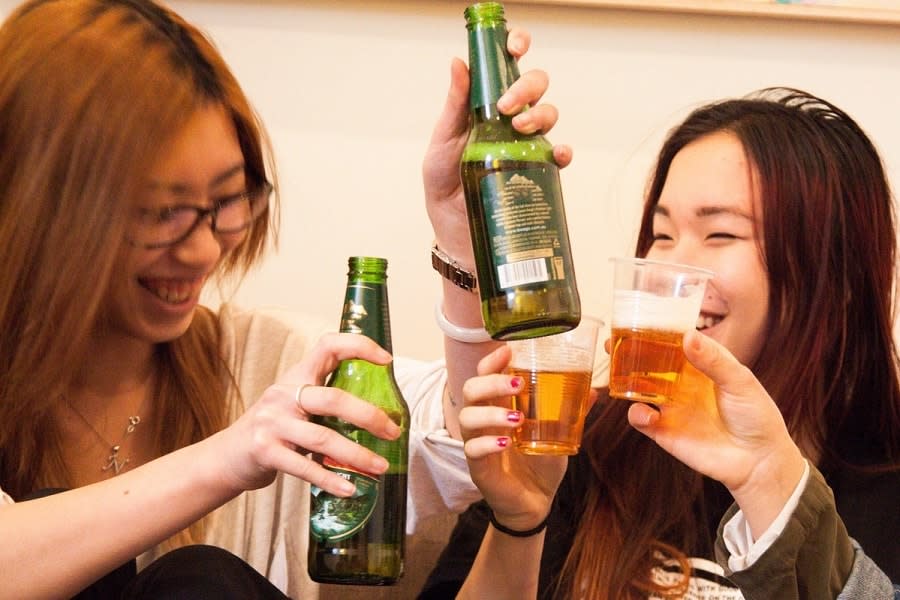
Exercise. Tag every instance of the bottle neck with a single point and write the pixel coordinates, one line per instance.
(366, 307)
(492, 69)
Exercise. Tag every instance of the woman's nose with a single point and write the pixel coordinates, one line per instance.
(688, 253)
(201, 247)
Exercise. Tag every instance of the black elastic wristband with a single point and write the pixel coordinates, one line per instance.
(516, 533)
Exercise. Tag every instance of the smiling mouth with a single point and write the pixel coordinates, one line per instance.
(171, 291)
(707, 321)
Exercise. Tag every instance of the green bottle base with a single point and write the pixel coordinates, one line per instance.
(528, 331)
(525, 313)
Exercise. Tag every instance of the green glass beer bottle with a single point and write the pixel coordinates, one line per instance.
(360, 540)
(514, 201)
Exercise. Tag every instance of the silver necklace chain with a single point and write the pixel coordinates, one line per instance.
(113, 461)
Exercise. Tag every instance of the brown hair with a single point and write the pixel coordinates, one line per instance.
(90, 91)
(829, 358)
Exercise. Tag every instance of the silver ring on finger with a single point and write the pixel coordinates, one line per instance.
(298, 397)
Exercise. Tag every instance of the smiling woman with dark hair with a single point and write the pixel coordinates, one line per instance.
(784, 197)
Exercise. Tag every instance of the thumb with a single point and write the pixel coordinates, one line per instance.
(453, 121)
(716, 362)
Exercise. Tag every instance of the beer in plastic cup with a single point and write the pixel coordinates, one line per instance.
(654, 304)
(556, 371)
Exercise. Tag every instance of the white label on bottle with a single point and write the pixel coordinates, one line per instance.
(522, 272)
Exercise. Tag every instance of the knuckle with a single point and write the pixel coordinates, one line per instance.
(260, 446)
(468, 389)
(307, 470)
(270, 395)
(317, 437)
(470, 448)
(465, 419)
(328, 343)
(484, 367)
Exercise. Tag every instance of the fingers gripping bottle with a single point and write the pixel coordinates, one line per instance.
(360, 540)
(514, 202)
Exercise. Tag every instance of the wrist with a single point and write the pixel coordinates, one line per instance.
(467, 335)
(452, 270)
(458, 247)
(764, 493)
(517, 532)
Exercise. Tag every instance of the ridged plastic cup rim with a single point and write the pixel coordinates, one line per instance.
(662, 263)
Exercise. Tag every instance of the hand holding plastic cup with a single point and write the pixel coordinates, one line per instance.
(556, 371)
(654, 304)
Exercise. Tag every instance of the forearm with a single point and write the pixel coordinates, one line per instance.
(506, 567)
(55, 546)
(462, 308)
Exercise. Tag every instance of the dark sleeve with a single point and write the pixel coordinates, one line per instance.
(869, 505)
(811, 559)
(456, 559)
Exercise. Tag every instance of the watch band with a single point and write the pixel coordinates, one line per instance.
(450, 269)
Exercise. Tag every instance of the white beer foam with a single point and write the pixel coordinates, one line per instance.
(635, 309)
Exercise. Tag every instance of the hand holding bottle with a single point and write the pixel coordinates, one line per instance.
(266, 438)
(360, 540)
(446, 204)
(735, 435)
(440, 170)
(518, 487)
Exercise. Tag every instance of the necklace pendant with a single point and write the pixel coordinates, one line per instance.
(132, 423)
(112, 461)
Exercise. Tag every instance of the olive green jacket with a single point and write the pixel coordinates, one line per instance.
(813, 558)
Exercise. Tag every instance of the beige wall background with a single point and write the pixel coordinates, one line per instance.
(350, 90)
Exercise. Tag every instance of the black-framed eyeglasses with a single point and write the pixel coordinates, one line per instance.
(158, 228)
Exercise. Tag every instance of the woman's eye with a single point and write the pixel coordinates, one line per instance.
(167, 214)
(156, 215)
(721, 235)
(659, 237)
(230, 199)
(161, 216)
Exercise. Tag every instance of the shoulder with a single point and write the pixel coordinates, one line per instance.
(245, 323)
(258, 345)
(267, 328)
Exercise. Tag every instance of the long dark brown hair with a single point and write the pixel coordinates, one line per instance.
(90, 93)
(829, 358)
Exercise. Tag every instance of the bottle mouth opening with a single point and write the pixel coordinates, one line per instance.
(483, 10)
(367, 264)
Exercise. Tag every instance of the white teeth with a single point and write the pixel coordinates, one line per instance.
(706, 321)
(172, 295)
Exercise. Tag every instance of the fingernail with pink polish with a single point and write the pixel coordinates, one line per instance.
(515, 383)
(503, 442)
(513, 416)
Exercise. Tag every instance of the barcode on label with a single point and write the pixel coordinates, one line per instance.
(522, 272)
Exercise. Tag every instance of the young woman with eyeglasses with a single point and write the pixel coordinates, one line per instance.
(133, 171)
